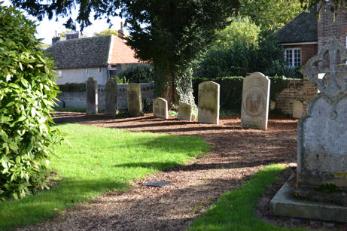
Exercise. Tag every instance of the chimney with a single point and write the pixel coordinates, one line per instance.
(120, 31)
(72, 35)
(55, 39)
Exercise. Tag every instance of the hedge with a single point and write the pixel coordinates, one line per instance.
(231, 90)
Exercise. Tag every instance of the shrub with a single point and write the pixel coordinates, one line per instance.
(137, 74)
(27, 95)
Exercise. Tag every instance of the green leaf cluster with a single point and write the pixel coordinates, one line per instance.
(27, 95)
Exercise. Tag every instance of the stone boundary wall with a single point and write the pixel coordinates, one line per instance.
(77, 99)
(300, 90)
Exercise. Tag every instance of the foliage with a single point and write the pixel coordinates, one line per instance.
(233, 52)
(27, 95)
(236, 210)
(137, 74)
(242, 48)
(92, 161)
(231, 90)
(107, 32)
(73, 87)
(270, 15)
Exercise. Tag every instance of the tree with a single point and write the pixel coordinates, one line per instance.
(270, 14)
(107, 32)
(168, 33)
(27, 96)
(233, 51)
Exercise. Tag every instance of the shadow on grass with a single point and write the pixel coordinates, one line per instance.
(46, 204)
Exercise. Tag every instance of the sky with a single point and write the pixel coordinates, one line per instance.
(47, 29)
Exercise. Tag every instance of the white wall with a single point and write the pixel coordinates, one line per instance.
(81, 75)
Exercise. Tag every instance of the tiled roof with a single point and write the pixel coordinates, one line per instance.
(91, 52)
(302, 29)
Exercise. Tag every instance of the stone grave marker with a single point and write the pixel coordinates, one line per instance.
(134, 99)
(255, 101)
(160, 108)
(209, 102)
(111, 97)
(322, 146)
(92, 96)
(185, 111)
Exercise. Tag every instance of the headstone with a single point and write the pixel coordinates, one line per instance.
(298, 109)
(319, 190)
(111, 97)
(209, 101)
(92, 96)
(185, 111)
(134, 99)
(322, 137)
(160, 108)
(255, 101)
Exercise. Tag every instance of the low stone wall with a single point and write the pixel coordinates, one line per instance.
(76, 99)
(297, 90)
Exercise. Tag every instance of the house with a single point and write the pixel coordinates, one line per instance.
(77, 59)
(304, 36)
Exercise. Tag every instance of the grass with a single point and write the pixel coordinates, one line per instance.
(236, 210)
(94, 160)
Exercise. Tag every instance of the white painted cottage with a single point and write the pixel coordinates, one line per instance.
(77, 59)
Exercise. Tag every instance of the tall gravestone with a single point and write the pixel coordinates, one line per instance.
(209, 102)
(160, 108)
(92, 96)
(134, 99)
(255, 101)
(111, 97)
(322, 144)
(322, 154)
(185, 111)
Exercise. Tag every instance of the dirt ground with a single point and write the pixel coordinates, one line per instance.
(236, 154)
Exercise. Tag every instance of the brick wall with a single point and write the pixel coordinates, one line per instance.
(297, 90)
(332, 23)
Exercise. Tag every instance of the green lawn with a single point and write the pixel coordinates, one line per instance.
(94, 160)
(235, 210)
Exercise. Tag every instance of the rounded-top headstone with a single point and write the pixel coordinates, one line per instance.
(160, 108)
(255, 101)
(209, 102)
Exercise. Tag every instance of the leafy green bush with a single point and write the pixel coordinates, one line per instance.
(27, 95)
(137, 74)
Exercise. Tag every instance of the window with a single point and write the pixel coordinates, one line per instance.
(292, 56)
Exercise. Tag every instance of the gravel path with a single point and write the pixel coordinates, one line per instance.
(236, 154)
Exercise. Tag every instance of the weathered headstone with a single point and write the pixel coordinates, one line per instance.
(160, 108)
(92, 96)
(298, 109)
(322, 148)
(185, 111)
(134, 99)
(209, 101)
(255, 101)
(111, 97)
(322, 135)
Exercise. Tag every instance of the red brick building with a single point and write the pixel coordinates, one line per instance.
(303, 37)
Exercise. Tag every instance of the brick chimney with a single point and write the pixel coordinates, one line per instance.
(121, 31)
(332, 22)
